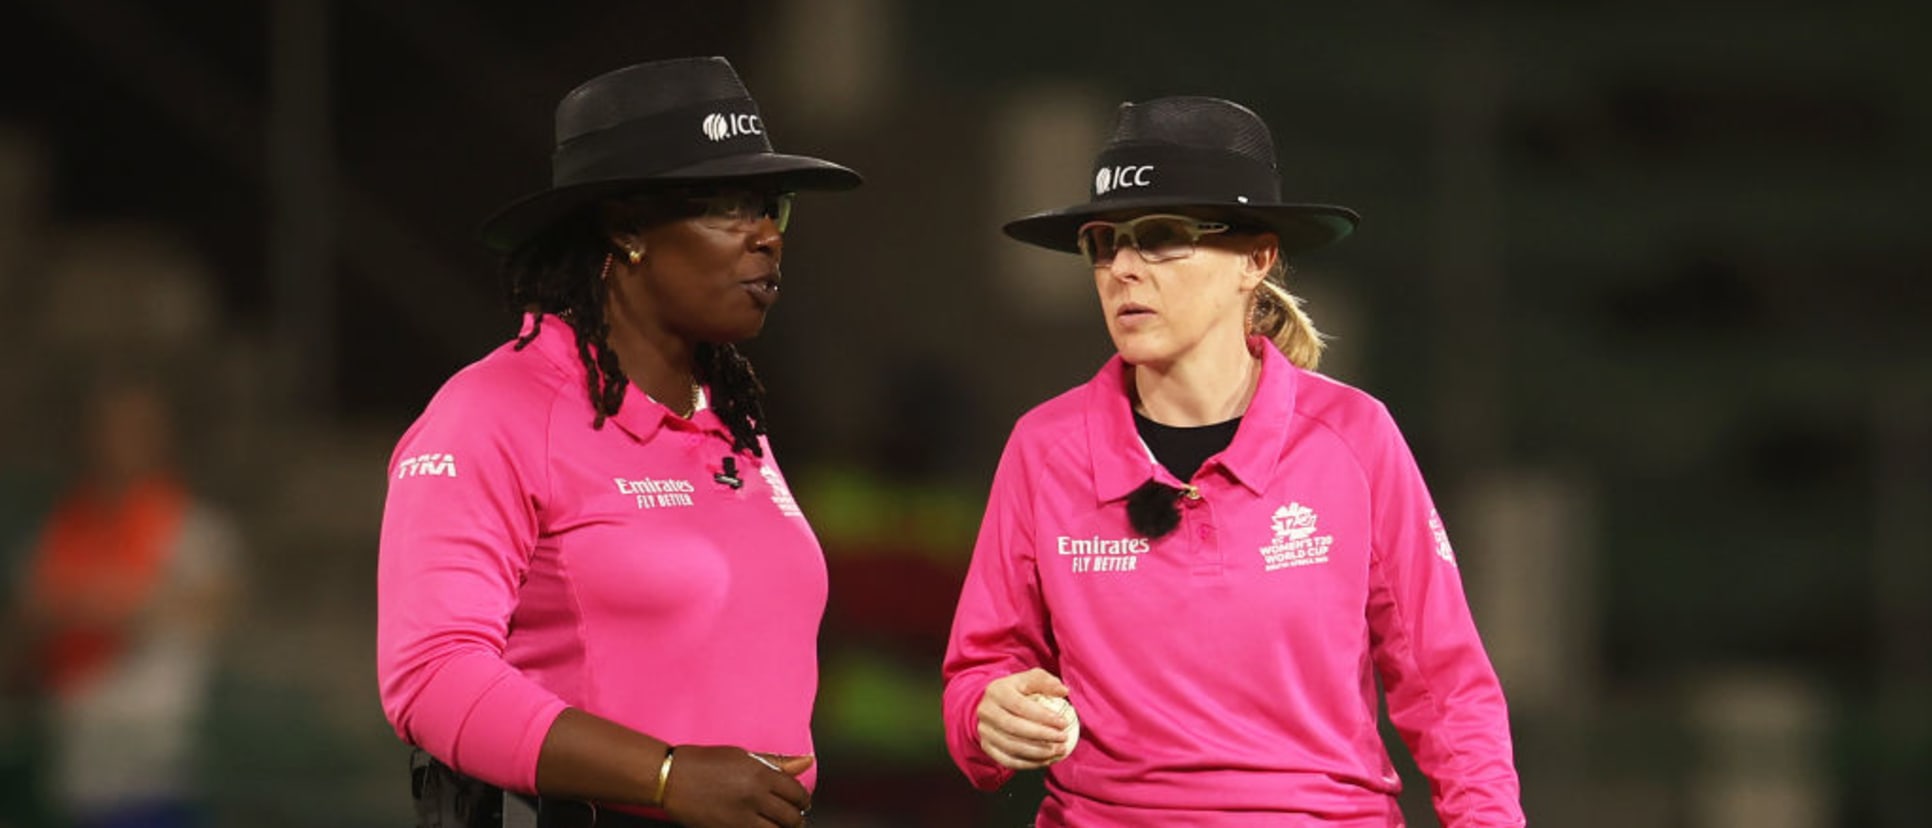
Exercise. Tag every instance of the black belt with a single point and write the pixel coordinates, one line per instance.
(551, 812)
(447, 799)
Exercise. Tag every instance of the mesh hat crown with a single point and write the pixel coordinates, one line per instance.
(1199, 154)
(1205, 123)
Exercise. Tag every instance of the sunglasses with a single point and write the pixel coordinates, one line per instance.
(1160, 237)
(733, 209)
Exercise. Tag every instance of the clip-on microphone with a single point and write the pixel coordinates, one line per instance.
(729, 476)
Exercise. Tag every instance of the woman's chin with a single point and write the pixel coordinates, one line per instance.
(738, 329)
(1139, 350)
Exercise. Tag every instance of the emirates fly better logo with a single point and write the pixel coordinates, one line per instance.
(721, 125)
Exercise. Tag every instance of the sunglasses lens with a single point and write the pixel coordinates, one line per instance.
(1163, 239)
(1099, 242)
(740, 210)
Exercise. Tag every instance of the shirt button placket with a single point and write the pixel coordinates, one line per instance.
(1200, 514)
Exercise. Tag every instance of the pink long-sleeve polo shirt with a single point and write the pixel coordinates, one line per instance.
(1225, 674)
(530, 563)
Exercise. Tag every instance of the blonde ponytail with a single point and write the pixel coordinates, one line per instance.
(1278, 316)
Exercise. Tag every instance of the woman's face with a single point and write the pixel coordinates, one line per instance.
(710, 265)
(1164, 302)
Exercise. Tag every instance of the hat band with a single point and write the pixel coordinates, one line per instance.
(1144, 171)
(663, 141)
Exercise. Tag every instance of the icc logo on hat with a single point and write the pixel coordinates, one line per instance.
(719, 126)
(1122, 177)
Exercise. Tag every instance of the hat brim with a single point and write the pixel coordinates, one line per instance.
(1301, 227)
(530, 215)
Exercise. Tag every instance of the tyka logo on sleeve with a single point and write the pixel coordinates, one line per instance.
(435, 464)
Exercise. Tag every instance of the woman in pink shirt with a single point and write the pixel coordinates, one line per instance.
(1210, 551)
(594, 583)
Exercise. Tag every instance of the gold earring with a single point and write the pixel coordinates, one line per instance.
(636, 255)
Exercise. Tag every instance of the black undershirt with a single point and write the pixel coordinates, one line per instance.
(1182, 449)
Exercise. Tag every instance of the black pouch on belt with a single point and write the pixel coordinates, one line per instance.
(447, 799)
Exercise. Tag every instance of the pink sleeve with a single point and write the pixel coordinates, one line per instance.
(1443, 695)
(999, 627)
(457, 532)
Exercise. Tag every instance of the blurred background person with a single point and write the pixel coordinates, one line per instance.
(595, 585)
(129, 581)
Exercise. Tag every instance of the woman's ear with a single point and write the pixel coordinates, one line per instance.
(1259, 259)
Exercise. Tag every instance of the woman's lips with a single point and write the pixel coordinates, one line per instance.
(763, 290)
(1132, 314)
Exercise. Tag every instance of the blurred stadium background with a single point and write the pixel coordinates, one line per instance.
(1646, 283)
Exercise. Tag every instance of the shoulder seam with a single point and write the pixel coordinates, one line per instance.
(1353, 454)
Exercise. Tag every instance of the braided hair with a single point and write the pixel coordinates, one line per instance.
(556, 272)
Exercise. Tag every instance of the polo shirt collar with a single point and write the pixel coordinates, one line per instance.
(640, 416)
(1121, 462)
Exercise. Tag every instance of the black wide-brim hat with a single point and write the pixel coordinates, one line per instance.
(662, 124)
(1204, 156)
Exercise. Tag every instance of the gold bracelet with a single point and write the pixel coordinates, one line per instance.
(664, 775)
